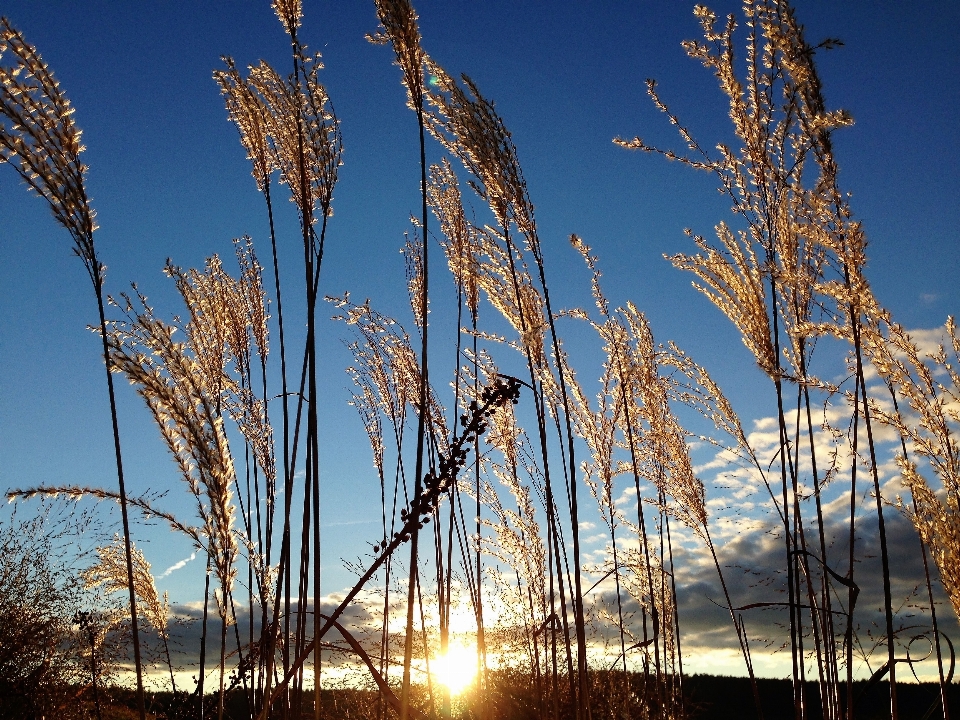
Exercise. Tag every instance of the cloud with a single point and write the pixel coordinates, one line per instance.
(929, 340)
(752, 568)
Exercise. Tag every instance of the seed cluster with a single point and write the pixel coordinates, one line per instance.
(504, 389)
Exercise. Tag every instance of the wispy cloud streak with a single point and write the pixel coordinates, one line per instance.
(176, 566)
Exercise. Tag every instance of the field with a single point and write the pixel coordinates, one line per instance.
(528, 495)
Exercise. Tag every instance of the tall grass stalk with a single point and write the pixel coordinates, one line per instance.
(931, 431)
(467, 125)
(787, 247)
(399, 22)
(944, 706)
(40, 140)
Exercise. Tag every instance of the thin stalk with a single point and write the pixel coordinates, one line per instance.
(166, 650)
(315, 467)
(539, 403)
(799, 565)
(426, 651)
(481, 639)
(445, 606)
(663, 584)
(551, 622)
(283, 371)
(535, 658)
(584, 706)
(741, 632)
(444, 580)
(223, 657)
(803, 568)
(86, 622)
(203, 636)
(422, 417)
(884, 556)
(646, 546)
(288, 480)
(646, 553)
(616, 575)
(798, 705)
(248, 528)
(573, 677)
(314, 460)
(832, 700)
(303, 587)
(676, 619)
(848, 635)
(240, 667)
(464, 545)
(97, 278)
(562, 554)
(398, 424)
(926, 574)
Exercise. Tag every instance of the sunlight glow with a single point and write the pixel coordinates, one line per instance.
(456, 669)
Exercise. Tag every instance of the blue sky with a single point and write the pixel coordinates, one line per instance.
(169, 179)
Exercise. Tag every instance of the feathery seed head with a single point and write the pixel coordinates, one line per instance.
(248, 112)
(299, 118)
(399, 22)
(460, 241)
(40, 140)
(110, 571)
(290, 13)
(469, 127)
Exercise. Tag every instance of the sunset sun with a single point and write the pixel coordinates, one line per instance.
(456, 669)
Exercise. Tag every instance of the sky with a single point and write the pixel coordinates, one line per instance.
(169, 179)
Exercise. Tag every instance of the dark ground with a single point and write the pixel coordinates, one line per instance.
(731, 698)
(707, 697)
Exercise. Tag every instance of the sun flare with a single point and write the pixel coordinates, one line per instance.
(456, 669)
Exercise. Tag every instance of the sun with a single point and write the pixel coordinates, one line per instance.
(456, 669)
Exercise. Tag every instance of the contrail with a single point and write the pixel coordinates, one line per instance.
(347, 522)
(176, 566)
